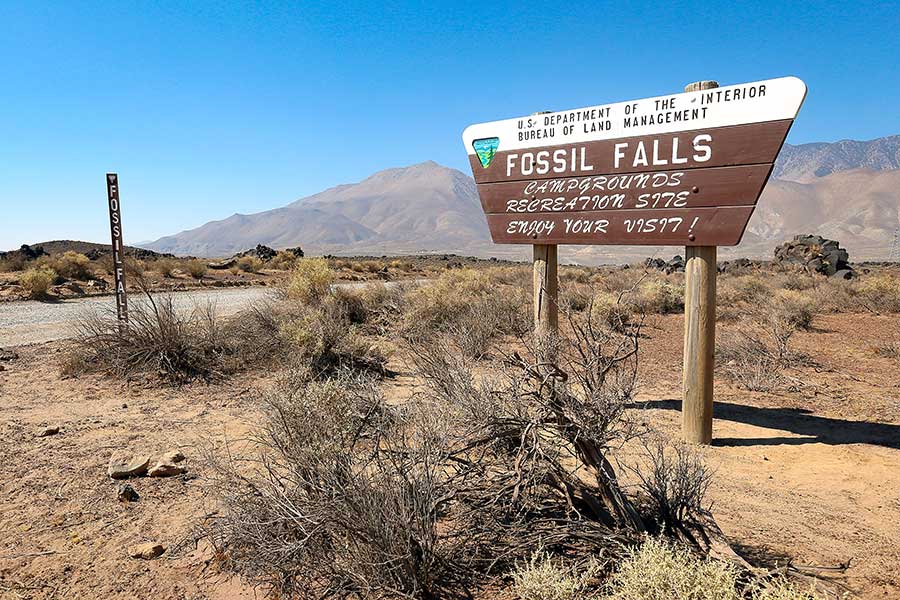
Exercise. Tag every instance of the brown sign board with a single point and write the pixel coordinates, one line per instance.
(685, 169)
(118, 248)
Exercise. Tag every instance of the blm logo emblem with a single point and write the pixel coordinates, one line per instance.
(486, 149)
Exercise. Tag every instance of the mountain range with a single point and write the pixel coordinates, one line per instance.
(847, 190)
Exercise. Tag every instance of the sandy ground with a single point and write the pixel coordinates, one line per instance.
(810, 474)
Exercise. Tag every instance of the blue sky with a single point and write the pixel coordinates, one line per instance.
(207, 109)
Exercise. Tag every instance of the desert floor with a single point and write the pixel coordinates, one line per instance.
(810, 474)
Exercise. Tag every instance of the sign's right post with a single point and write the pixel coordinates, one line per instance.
(699, 332)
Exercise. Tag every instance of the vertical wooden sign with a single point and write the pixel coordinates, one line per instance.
(118, 248)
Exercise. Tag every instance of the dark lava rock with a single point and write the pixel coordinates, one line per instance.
(261, 252)
(814, 254)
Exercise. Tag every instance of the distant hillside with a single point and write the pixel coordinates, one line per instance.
(88, 248)
(806, 162)
(849, 191)
(425, 207)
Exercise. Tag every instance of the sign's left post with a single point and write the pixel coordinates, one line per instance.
(118, 248)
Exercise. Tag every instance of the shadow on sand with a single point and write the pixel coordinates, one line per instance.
(816, 429)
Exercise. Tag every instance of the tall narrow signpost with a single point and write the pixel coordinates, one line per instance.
(683, 169)
(118, 248)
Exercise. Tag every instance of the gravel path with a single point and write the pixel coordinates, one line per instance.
(34, 322)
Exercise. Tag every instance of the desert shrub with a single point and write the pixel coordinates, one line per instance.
(133, 267)
(249, 264)
(616, 310)
(342, 501)
(73, 265)
(37, 281)
(283, 261)
(660, 570)
(889, 349)
(544, 577)
(660, 296)
(468, 305)
(743, 289)
(834, 296)
(879, 293)
(12, 264)
(781, 588)
(375, 307)
(165, 267)
(323, 337)
(791, 310)
(745, 358)
(674, 481)
(402, 265)
(309, 280)
(196, 267)
(160, 340)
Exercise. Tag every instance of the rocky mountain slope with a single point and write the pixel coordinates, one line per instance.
(847, 190)
(807, 162)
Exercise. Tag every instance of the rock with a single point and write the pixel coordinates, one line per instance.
(48, 430)
(298, 251)
(222, 265)
(655, 263)
(814, 254)
(172, 456)
(261, 252)
(126, 493)
(676, 265)
(123, 465)
(7, 355)
(147, 551)
(844, 274)
(166, 469)
(97, 284)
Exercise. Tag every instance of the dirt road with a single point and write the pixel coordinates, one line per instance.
(35, 322)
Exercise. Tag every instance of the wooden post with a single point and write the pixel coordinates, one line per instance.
(699, 332)
(546, 286)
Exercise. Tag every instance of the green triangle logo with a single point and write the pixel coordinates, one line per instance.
(486, 149)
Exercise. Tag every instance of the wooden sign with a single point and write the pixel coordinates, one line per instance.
(118, 248)
(684, 169)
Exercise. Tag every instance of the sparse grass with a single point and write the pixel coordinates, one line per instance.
(879, 293)
(37, 281)
(744, 358)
